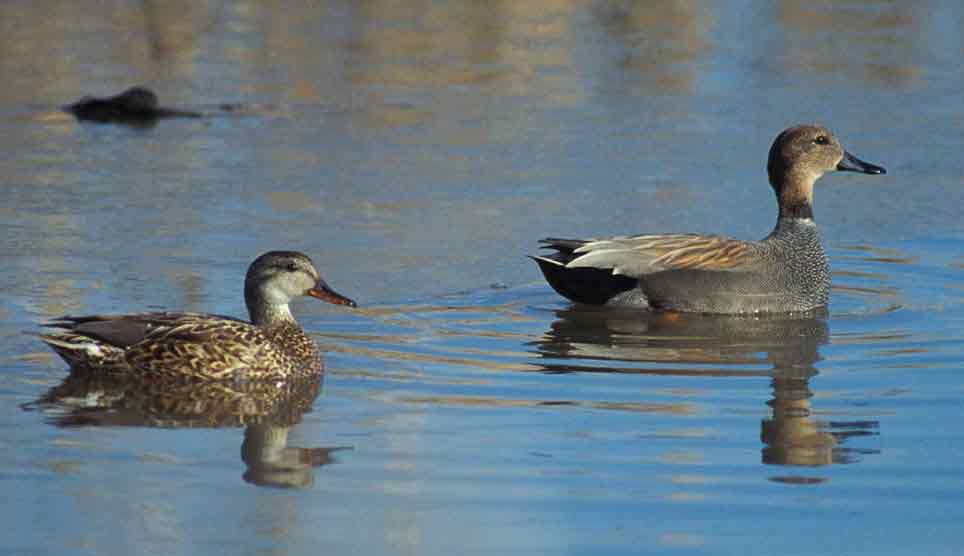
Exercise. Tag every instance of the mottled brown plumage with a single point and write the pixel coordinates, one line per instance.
(203, 346)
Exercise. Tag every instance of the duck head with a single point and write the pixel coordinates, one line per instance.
(277, 277)
(798, 157)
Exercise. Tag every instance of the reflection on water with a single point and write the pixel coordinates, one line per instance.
(725, 344)
(793, 437)
(660, 47)
(271, 462)
(897, 29)
(783, 347)
(266, 410)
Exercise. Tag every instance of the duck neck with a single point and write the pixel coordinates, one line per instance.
(795, 193)
(792, 225)
(795, 210)
(271, 315)
(263, 313)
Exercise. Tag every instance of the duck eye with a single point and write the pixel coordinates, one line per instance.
(292, 267)
(821, 140)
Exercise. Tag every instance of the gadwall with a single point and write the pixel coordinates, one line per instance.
(203, 346)
(786, 271)
(135, 105)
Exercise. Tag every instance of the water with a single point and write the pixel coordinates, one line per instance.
(417, 152)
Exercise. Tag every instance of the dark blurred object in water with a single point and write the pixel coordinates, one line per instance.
(136, 106)
(267, 410)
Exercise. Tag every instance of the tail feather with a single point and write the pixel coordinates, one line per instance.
(81, 350)
(565, 247)
(594, 286)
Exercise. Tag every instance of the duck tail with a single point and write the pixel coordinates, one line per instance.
(564, 247)
(79, 350)
(594, 286)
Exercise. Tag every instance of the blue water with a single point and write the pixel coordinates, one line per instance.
(417, 152)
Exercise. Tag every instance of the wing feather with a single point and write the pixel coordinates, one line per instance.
(126, 330)
(636, 256)
(215, 348)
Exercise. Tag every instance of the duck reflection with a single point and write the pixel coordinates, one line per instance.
(786, 348)
(266, 409)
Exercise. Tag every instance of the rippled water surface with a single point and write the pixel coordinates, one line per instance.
(417, 151)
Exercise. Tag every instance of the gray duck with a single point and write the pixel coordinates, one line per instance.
(787, 271)
(204, 346)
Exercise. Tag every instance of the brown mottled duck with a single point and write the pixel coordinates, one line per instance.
(204, 346)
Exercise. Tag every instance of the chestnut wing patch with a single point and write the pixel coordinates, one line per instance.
(637, 256)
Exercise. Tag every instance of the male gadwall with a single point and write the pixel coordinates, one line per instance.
(786, 271)
(203, 346)
(135, 105)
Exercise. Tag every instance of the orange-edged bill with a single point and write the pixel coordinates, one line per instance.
(324, 293)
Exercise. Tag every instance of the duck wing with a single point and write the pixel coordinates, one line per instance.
(123, 331)
(637, 256)
(164, 344)
(204, 346)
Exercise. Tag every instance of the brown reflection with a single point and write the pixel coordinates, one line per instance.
(271, 462)
(590, 339)
(408, 58)
(661, 43)
(411, 48)
(876, 45)
(430, 43)
(791, 436)
(267, 411)
(147, 39)
(170, 28)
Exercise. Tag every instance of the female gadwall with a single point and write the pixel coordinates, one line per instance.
(786, 271)
(202, 346)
